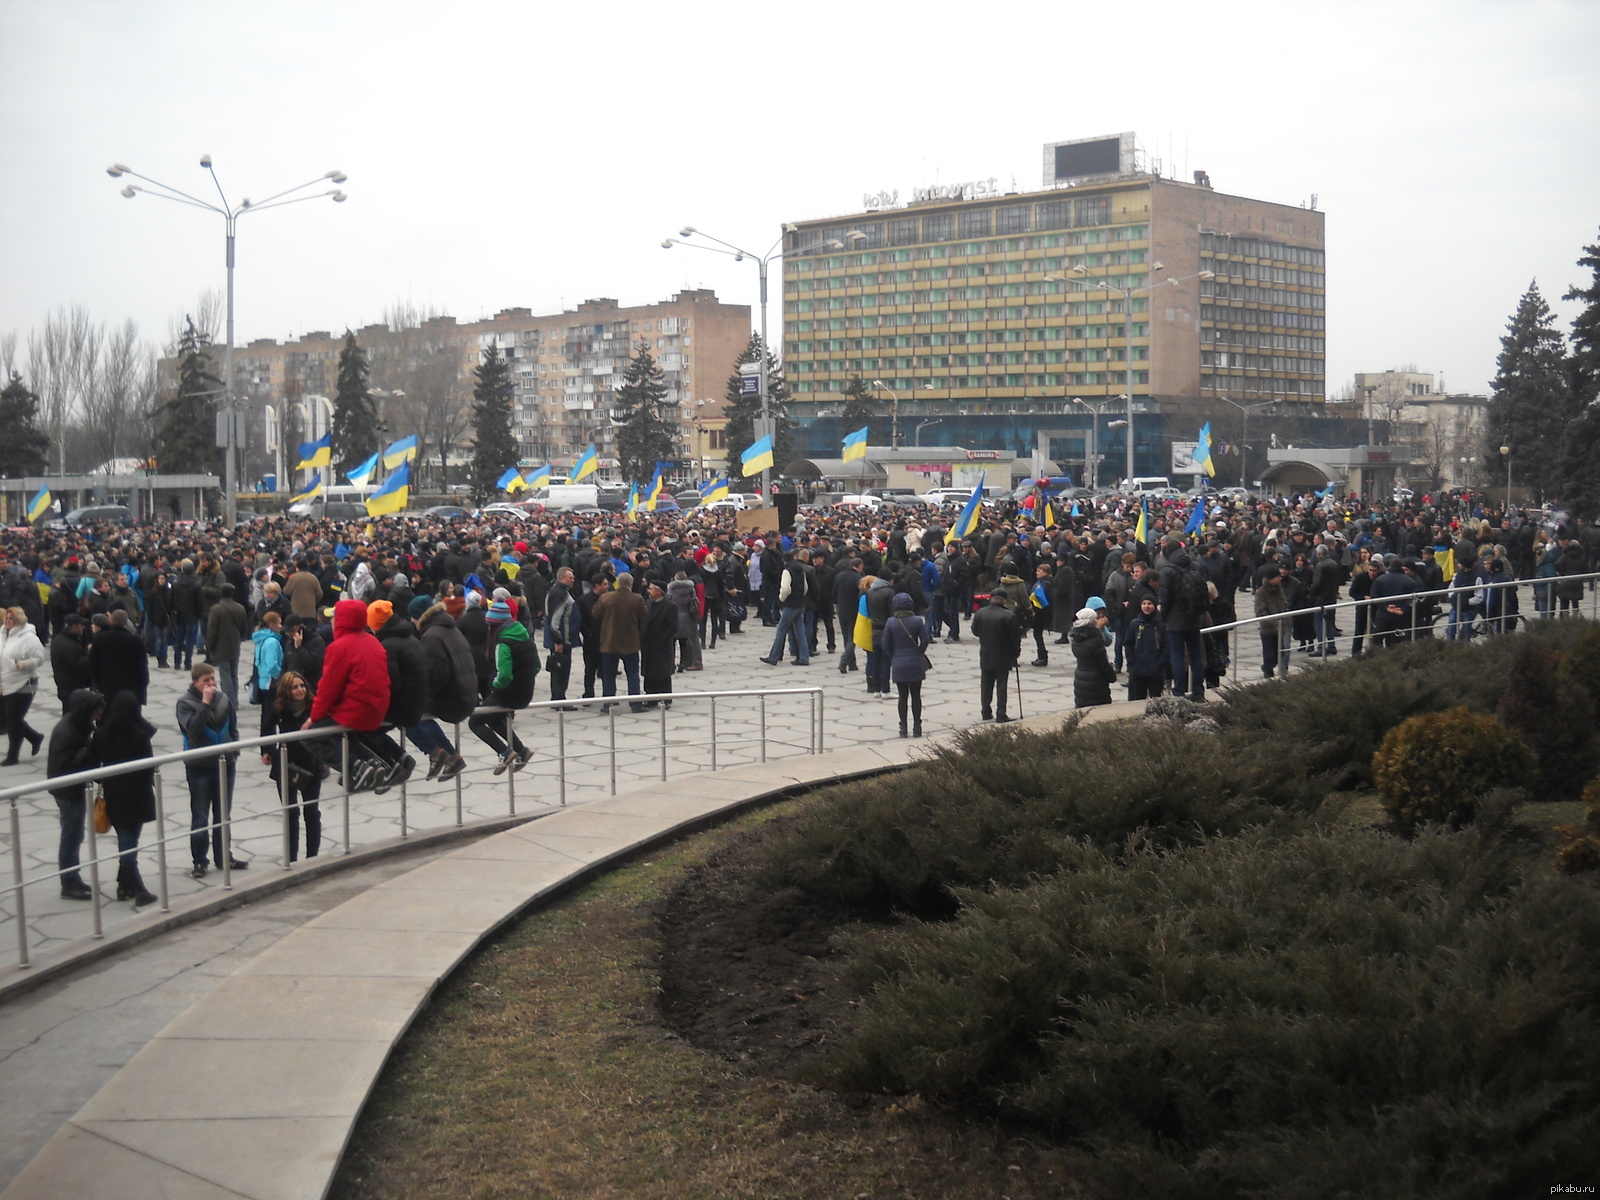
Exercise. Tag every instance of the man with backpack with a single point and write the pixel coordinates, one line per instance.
(1184, 601)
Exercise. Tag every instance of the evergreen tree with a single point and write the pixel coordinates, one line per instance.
(1530, 407)
(863, 407)
(1584, 365)
(25, 450)
(744, 411)
(186, 423)
(355, 416)
(494, 446)
(1580, 475)
(644, 436)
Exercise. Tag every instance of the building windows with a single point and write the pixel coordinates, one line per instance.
(1011, 219)
(1053, 214)
(939, 228)
(976, 224)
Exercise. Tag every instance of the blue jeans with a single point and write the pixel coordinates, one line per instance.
(71, 837)
(1322, 621)
(207, 807)
(155, 642)
(608, 674)
(186, 634)
(792, 628)
(429, 737)
(1179, 641)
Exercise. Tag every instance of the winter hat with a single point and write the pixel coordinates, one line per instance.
(499, 613)
(1086, 615)
(418, 606)
(378, 614)
(902, 602)
(1094, 603)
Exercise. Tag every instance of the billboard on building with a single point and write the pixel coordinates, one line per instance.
(1088, 158)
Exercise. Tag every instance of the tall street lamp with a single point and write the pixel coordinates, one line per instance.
(1505, 451)
(894, 413)
(1127, 295)
(1244, 433)
(230, 215)
(762, 261)
(916, 434)
(1091, 458)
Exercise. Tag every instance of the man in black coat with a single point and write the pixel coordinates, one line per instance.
(846, 601)
(69, 658)
(117, 661)
(825, 599)
(999, 635)
(452, 686)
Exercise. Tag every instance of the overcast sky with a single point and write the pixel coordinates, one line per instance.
(534, 155)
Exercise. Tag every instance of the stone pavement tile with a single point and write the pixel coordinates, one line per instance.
(178, 1079)
(77, 1163)
(425, 911)
(589, 822)
(511, 877)
(265, 1158)
(355, 952)
(316, 1008)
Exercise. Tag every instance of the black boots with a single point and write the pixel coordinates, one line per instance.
(903, 732)
(131, 887)
(916, 730)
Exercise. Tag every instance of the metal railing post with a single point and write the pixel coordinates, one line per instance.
(663, 711)
(404, 831)
(283, 799)
(344, 751)
(226, 854)
(95, 898)
(511, 762)
(457, 779)
(16, 890)
(561, 753)
(161, 842)
(611, 715)
(822, 716)
(763, 707)
(713, 733)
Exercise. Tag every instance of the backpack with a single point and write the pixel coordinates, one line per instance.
(1194, 597)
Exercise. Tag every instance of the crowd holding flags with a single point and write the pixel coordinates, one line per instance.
(967, 522)
(39, 505)
(716, 489)
(310, 491)
(362, 475)
(1202, 450)
(1141, 531)
(855, 444)
(588, 463)
(539, 477)
(393, 496)
(654, 493)
(512, 481)
(316, 454)
(757, 458)
(399, 452)
(633, 502)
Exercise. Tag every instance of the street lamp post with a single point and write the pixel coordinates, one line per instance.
(1127, 295)
(1506, 452)
(1244, 433)
(916, 434)
(761, 261)
(1092, 451)
(894, 413)
(230, 214)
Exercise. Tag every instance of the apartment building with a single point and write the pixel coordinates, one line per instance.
(1001, 320)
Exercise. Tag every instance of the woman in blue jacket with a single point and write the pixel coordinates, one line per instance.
(905, 637)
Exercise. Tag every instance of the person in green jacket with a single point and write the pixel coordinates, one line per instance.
(516, 664)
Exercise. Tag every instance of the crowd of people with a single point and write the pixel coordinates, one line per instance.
(408, 624)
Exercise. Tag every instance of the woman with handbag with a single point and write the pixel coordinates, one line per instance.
(21, 656)
(130, 799)
(268, 665)
(905, 642)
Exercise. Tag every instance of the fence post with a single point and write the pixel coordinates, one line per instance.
(764, 726)
(94, 861)
(404, 831)
(222, 823)
(344, 752)
(16, 875)
(822, 721)
(713, 733)
(283, 798)
(457, 779)
(511, 762)
(161, 841)
(611, 715)
(663, 711)
(561, 753)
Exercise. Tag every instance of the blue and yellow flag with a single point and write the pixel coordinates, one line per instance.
(1202, 450)
(316, 454)
(862, 633)
(1141, 531)
(1040, 595)
(968, 520)
(757, 458)
(655, 487)
(393, 496)
(311, 491)
(512, 481)
(716, 490)
(855, 444)
(1196, 519)
(39, 505)
(539, 477)
(1049, 517)
(588, 463)
(633, 502)
(398, 452)
(362, 475)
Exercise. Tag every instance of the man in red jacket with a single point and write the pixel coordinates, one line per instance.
(354, 694)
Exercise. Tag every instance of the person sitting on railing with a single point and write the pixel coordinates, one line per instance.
(353, 694)
(408, 689)
(452, 682)
(289, 706)
(124, 736)
(206, 717)
(69, 754)
(516, 666)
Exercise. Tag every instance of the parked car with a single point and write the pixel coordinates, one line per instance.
(447, 512)
(98, 514)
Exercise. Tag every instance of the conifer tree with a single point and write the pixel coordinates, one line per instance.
(1530, 406)
(1580, 468)
(186, 421)
(644, 436)
(862, 407)
(25, 449)
(355, 416)
(744, 411)
(494, 445)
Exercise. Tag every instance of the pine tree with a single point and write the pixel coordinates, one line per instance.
(494, 446)
(644, 436)
(1584, 364)
(25, 450)
(186, 422)
(743, 412)
(355, 416)
(863, 407)
(1530, 408)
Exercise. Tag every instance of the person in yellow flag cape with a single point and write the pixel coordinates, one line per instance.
(861, 635)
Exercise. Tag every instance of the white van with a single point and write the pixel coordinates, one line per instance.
(570, 495)
(1147, 483)
(340, 494)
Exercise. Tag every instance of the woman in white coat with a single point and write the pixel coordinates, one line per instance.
(22, 656)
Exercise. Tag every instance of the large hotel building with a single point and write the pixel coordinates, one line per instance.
(988, 316)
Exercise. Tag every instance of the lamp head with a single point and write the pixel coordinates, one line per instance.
(739, 257)
(1505, 449)
(1158, 265)
(686, 231)
(205, 162)
(1208, 275)
(115, 170)
(337, 176)
(1080, 269)
(128, 191)
(339, 197)
(668, 243)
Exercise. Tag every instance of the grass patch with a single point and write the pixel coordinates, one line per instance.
(543, 1069)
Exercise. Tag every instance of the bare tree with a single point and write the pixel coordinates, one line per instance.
(60, 366)
(420, 358)
(119, 405)
(9, 362)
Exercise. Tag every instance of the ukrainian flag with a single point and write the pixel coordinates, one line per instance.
(757, 458)
(1049, 515)
(393, 496)
(862, 634)
(316, 454)
(588, 463)
(855, 444)
(39, 505)
(398, 452)
(511, 481)
(1196, 519)
(311, 491)
(968, 520)
(1202, 450)
(655, 488)
(539, 477)
(633, 502)
(1040, 596)
(1141, 531)
(716, 490)
(362, 475)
